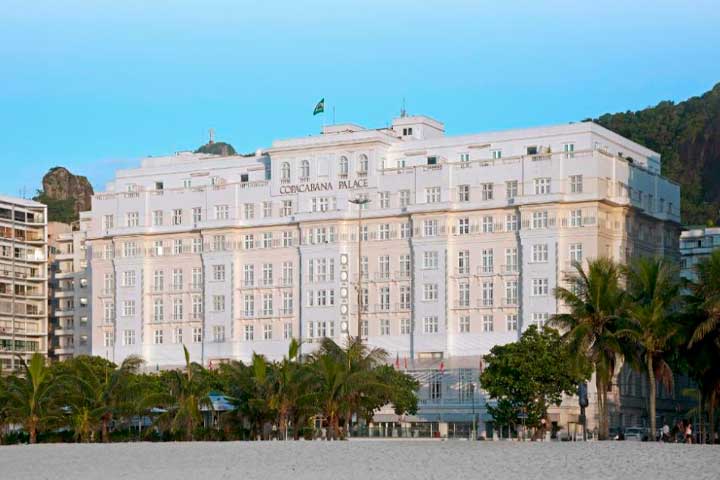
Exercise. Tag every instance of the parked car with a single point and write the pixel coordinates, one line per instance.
(635, 433)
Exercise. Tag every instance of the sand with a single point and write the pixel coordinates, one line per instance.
(361, 459)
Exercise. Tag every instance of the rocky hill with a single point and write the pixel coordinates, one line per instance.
(65, 194)
(217, 148)
(687, 135)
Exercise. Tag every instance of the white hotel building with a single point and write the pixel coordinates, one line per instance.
(463, 241)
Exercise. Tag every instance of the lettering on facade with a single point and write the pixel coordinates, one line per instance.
(323, 186)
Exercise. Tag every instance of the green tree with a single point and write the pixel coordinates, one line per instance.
(184, 396)
(653, 290)
(530, 375)
(595, 304)
(31, 399)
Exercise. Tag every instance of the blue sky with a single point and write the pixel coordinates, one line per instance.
(95, 85)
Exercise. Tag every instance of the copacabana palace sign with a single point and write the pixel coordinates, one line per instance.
(323, 186)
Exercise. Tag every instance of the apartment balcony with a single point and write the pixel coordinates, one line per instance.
(382, 276)
(485, 271)
(485, 303)
(402, 275)
(512, 269)
(63, 293)
(60, 332)
(461, 305)
(66, 350)
(402, 307)
(462, 272)
(64, 256)
(510, 301)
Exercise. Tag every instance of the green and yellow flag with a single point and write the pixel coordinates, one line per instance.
(320, 107)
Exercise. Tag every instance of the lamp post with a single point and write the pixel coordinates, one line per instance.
(360, 201)
(474, 425)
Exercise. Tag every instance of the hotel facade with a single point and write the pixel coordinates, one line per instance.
(462, 241)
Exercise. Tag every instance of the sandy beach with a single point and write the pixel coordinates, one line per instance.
(360, 460)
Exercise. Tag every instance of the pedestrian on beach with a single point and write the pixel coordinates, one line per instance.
(688, 433)
(665, 433)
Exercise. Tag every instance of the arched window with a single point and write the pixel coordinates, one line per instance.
(285, 172)
(343, 166)
(304, 169)
(363, 164)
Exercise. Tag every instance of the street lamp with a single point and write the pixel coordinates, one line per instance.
(359, 201)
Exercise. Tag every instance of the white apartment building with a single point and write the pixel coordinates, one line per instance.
(463, 241)
(23, 280)
(697, 244)
(69, 287)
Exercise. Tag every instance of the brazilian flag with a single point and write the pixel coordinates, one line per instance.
(320, 107)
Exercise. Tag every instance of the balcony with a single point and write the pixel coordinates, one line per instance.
(483, 270)
(459, 305)
(510, 301)
(511, 269)
(485, 303)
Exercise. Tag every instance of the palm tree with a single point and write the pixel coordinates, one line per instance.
(184, 398)
(31, 397)
(707, 291)
(102, 391)
(653, 290)
(329, 391)
(594, 305)
(290, 381)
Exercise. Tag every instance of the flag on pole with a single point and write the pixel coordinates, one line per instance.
(320, 107)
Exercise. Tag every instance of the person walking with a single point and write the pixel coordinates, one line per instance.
(665, 433)
(688, 433)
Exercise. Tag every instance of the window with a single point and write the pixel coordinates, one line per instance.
(511, 292)
(384, 199)
(511, 322)
(178, 335)
(287, 330)
(129, 278)
(132, 219)
(197, 245)
(304, 170)
(463, 226)
(539, 287)
(533, 150)
(128, 308)
(158, 337)
(430, 260)
(463, 265)
(463, 193)
(404, 198)
(488, 260)
(177, 246)
(267, 274)
(222, 212)
(218, 303)
(384, 231)
(158, 310)
(129, 337)
(405, 326)
(511, 189)
(364, 328)
(197, 334)
(540, 319)
(496, 154)
(108, 340)
(464, 324)
(540, 219)
(177, 279)
(576, 252)
(197, 307)
(218, 332)
(287, 208)
(343, 166)
(157, 217)
(384, 267)
(287, 273)
(267, 238)
(218, 273)
(285, 173)
(249, 333)
(287, 308)
(542, 186)
(108, 312)
(435, 386)
(249, 304)
(404, 297)
(362, 164)
(408, 131)
(432, 195)
(177, 309)
(157, 249)
(487, 191)
(404, 266)
(487, 224)
(511, 222)
(405, 230)
(430, 324)
(384, 326)
(197, 215)
(576, 218)
(464, 158)
(487, 323)
(267, 304)
(569, 149)
(540, 253)
(177, 217)
(487, 294)
(430, 228)
(267, 331)
(576, 183)
(108, 222)
(430, 292)
(464, 295)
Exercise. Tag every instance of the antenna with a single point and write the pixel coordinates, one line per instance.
(403, 112)
(212, 136)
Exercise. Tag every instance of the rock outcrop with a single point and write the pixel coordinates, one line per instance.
(60, 185)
